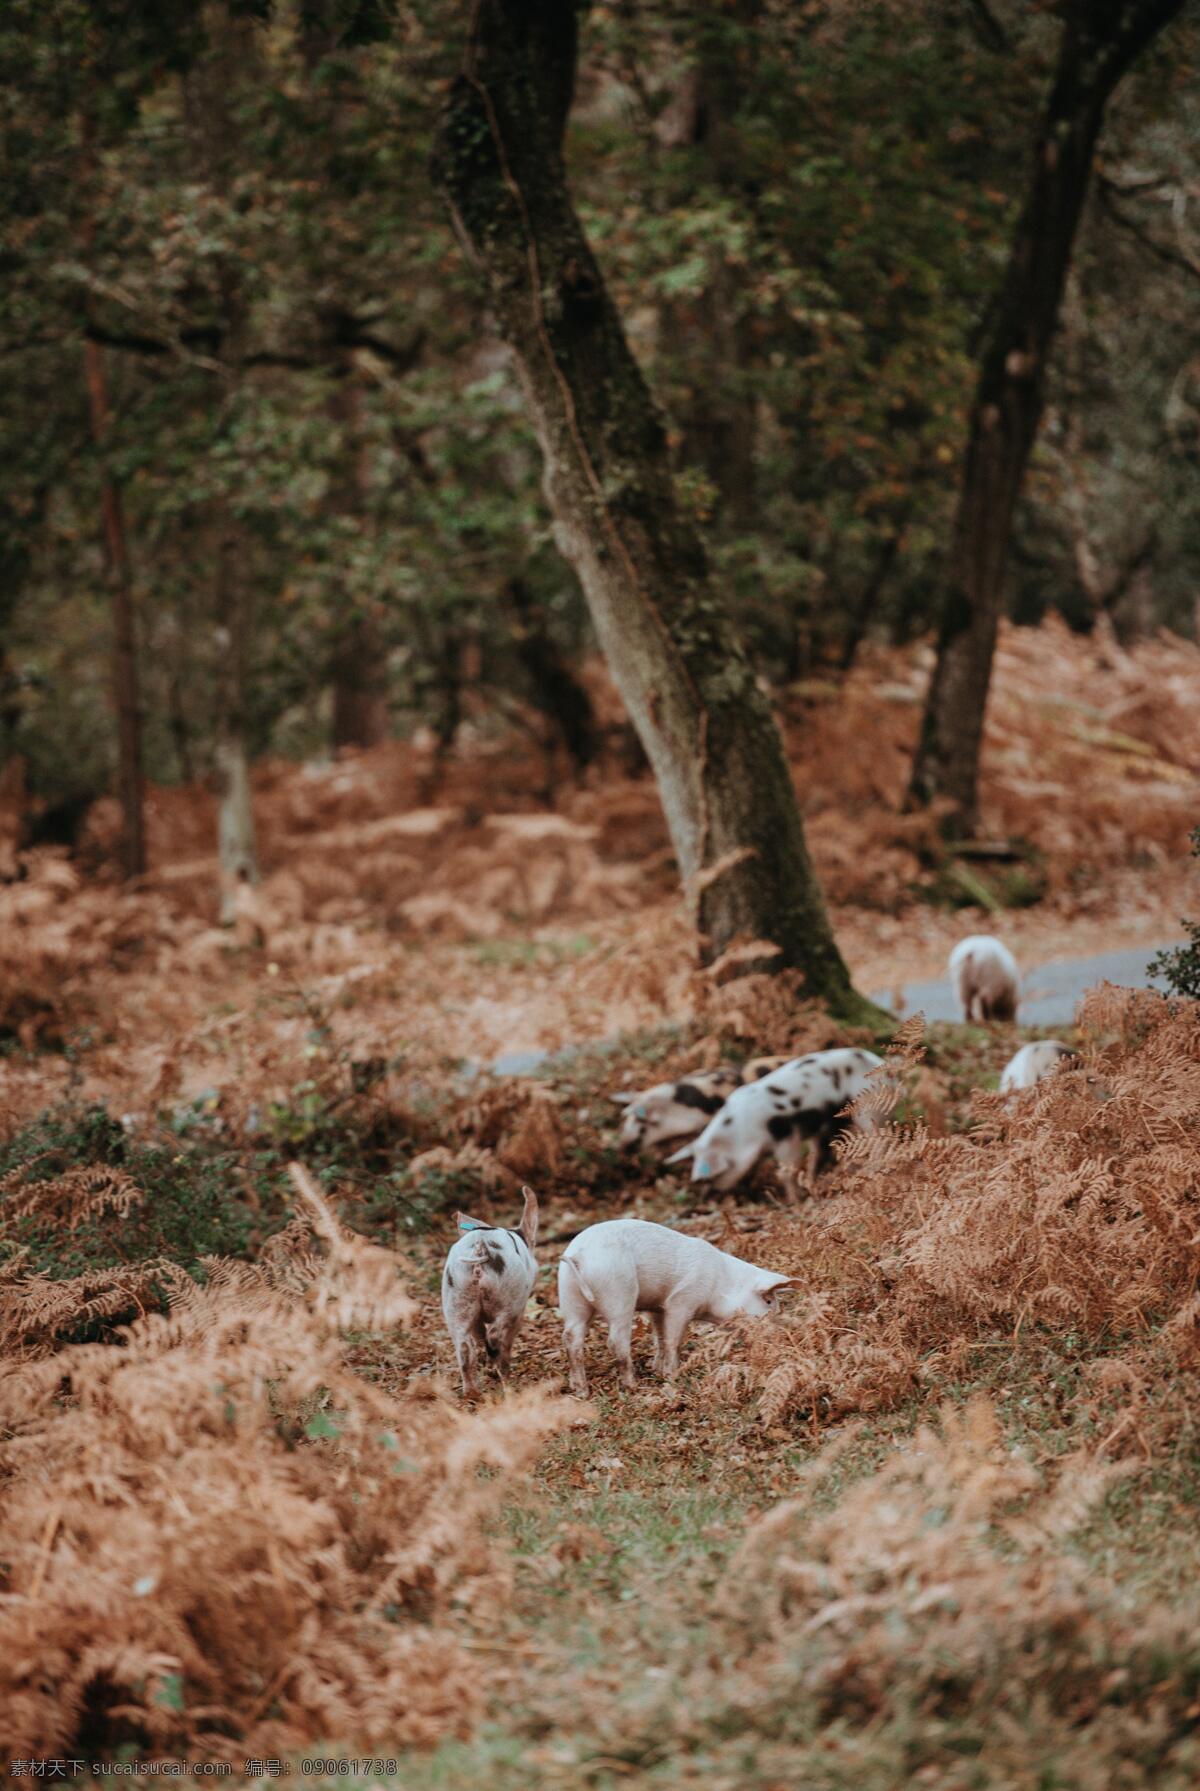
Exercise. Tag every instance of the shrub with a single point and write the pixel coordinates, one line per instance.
(1180, 967)
(79, 1198)
(933, 1629)
(1072, 1206)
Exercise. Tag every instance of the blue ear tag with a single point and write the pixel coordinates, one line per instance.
(469, 1225)
(639, 1111)
(702, 1169)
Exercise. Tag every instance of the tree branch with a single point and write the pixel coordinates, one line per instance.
(988, 28)
(209, 340)
(1109, 192)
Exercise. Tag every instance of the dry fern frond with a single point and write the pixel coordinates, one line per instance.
(1061, 1211)
(36, 1312)
(71, 1198)
(202, 1527)
(939, 1584)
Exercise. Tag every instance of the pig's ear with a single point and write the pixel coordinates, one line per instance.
(623, 1099)
(776, 1283)
(529, 1217)
(465, 1222)
(682, 1156)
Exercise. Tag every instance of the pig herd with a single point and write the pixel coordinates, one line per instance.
(722, 1122)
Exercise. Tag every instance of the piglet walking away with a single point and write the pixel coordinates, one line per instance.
(623, 1266)
(984, 976)
(1034, 1061)
(488, 1277)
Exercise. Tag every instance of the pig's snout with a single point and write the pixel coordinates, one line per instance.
(633, 1128)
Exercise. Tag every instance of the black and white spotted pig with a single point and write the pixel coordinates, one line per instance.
(795, 1112)
(488, 1277)
(673, 1110)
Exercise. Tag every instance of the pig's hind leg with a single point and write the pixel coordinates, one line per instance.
(500, 1336)
(577, 1311)
(468, 1347)
(620, 1308)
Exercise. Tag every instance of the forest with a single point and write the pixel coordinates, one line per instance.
(600, 727)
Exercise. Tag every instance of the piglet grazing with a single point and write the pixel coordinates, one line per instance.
(673, 1110)
(1034, 1061)
(984, 975)
(623, 1266)
(488, 1277)
(795, 1112)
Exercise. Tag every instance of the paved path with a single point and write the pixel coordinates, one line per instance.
(1049, 992)
(1049, 995)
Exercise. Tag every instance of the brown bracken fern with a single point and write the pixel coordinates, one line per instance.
(221, 1541)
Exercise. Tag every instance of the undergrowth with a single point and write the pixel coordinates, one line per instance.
(220, 1541)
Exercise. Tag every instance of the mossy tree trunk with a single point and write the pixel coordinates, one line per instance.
(1100, 41)
(686, 681)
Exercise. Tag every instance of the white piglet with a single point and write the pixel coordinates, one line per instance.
(795, 1113)
(985, 978)
(623, 1266)
(1032, 1062)
(488, 1277)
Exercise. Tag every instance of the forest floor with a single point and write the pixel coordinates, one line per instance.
(934, 1524)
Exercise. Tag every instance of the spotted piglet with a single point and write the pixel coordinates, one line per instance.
(673, 1110)
(795, 1113)
(488, 1277)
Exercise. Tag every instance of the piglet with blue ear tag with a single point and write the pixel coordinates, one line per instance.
(672, 1111)
(488, 1277)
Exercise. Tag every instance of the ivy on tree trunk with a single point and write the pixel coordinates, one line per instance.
(685, 679)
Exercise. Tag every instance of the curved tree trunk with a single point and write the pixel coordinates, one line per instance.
(1101, 39)
(686, 682)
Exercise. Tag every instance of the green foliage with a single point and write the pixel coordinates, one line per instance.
(191, 1207)
(1181, 966)
(801, 213)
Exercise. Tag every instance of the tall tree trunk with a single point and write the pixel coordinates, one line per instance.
(237, 846)
(686, 681)
(214, 135)
(556, 689)
(360, 713)
(1100, 41)
(358, 665)
(723, 422)
(126, 697)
